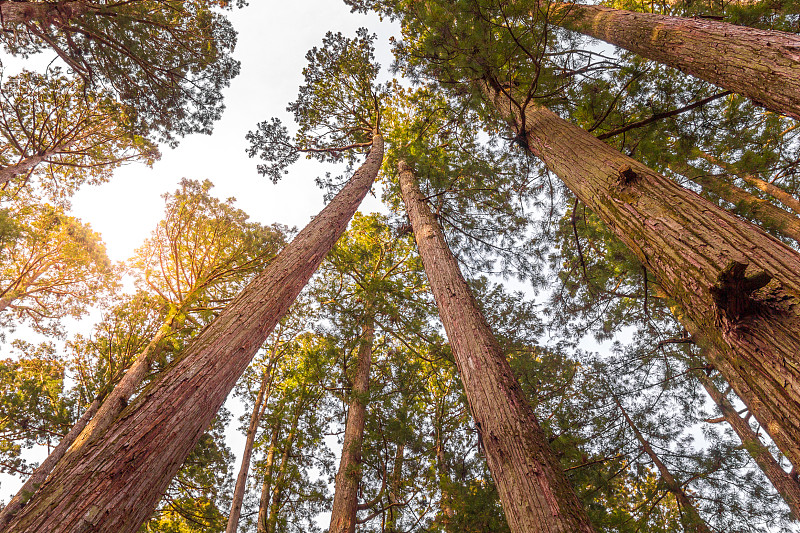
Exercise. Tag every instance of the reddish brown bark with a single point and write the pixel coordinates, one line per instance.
(535, 493)
(16, 11)
(770, 188)
(266, 485)
(760, 64)
(348, 478)
(771, 215)
(241, 480)
(690, 518)
(115, 482)
(39, 475)
(785, 484)
(714, 265)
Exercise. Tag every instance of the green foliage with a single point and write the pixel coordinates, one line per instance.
(56, 134)
(337, 110)
(51, 266)
(166, 61)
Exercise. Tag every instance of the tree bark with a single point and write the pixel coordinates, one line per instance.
(115, 482)
(771, 215)
(266, 485)
(690, 518)
(760, 64)
(394, 512)
(535, 493)
(39, 475)
(785, 484)
(348, 478)
(241, 480)
(773, 190)
(279, 481)
(16, 11)
(737, 288)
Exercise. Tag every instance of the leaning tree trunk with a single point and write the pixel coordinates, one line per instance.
(760, 64)
(266, 484)
(689, 517)
(783, 482)
(535, 493)
(115, 482)
(738, 288)
(772, 216)
(241, 480)
(39, 475)
(348, 479)
(770, 188)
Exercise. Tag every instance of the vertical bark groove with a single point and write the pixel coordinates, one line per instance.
(114, 484)
(763, 65)
(535, 493)
(689, 244)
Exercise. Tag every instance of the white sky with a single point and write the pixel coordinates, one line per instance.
(273, 40)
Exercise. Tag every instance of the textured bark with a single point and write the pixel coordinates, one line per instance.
(39, 475)
(16, 11)
(348, 478)
(690, 518)
(535, 493)
(773, 216)
(763, 65)
(773, 190)
(714, 265)
(784, 483)
(266, 485)
(241, 480)
(114, 484)
(278, 483)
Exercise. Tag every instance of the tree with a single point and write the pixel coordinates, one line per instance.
(666, 226)
(58, 135)
(53, 266)
(535, 493)
(166, 61)
(756, 63)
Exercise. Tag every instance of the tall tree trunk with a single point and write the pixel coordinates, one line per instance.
(773, 190)
(445, 505)
(690, 519)
(771, 215)
(241, 480)
(535, 493)
(395, 502)
(784, 483)
(737, 288)
(16, 11)
(760, 64)
(39, 475)
(278, 482)
(348, 478)
(114, 483)
(266, 485)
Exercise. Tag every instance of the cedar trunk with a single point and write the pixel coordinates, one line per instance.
(760, 64)
(737, 289)
(241, 480)
(690, 518)
(266, 485)
(114, 483)
(783, 482)
(771, 215)
(345, 499)
(39, 475)
(535, 493)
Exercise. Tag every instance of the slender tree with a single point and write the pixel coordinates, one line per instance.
(535, 493)
(100, 487)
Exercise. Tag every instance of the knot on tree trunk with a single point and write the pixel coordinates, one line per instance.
(732, 293)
